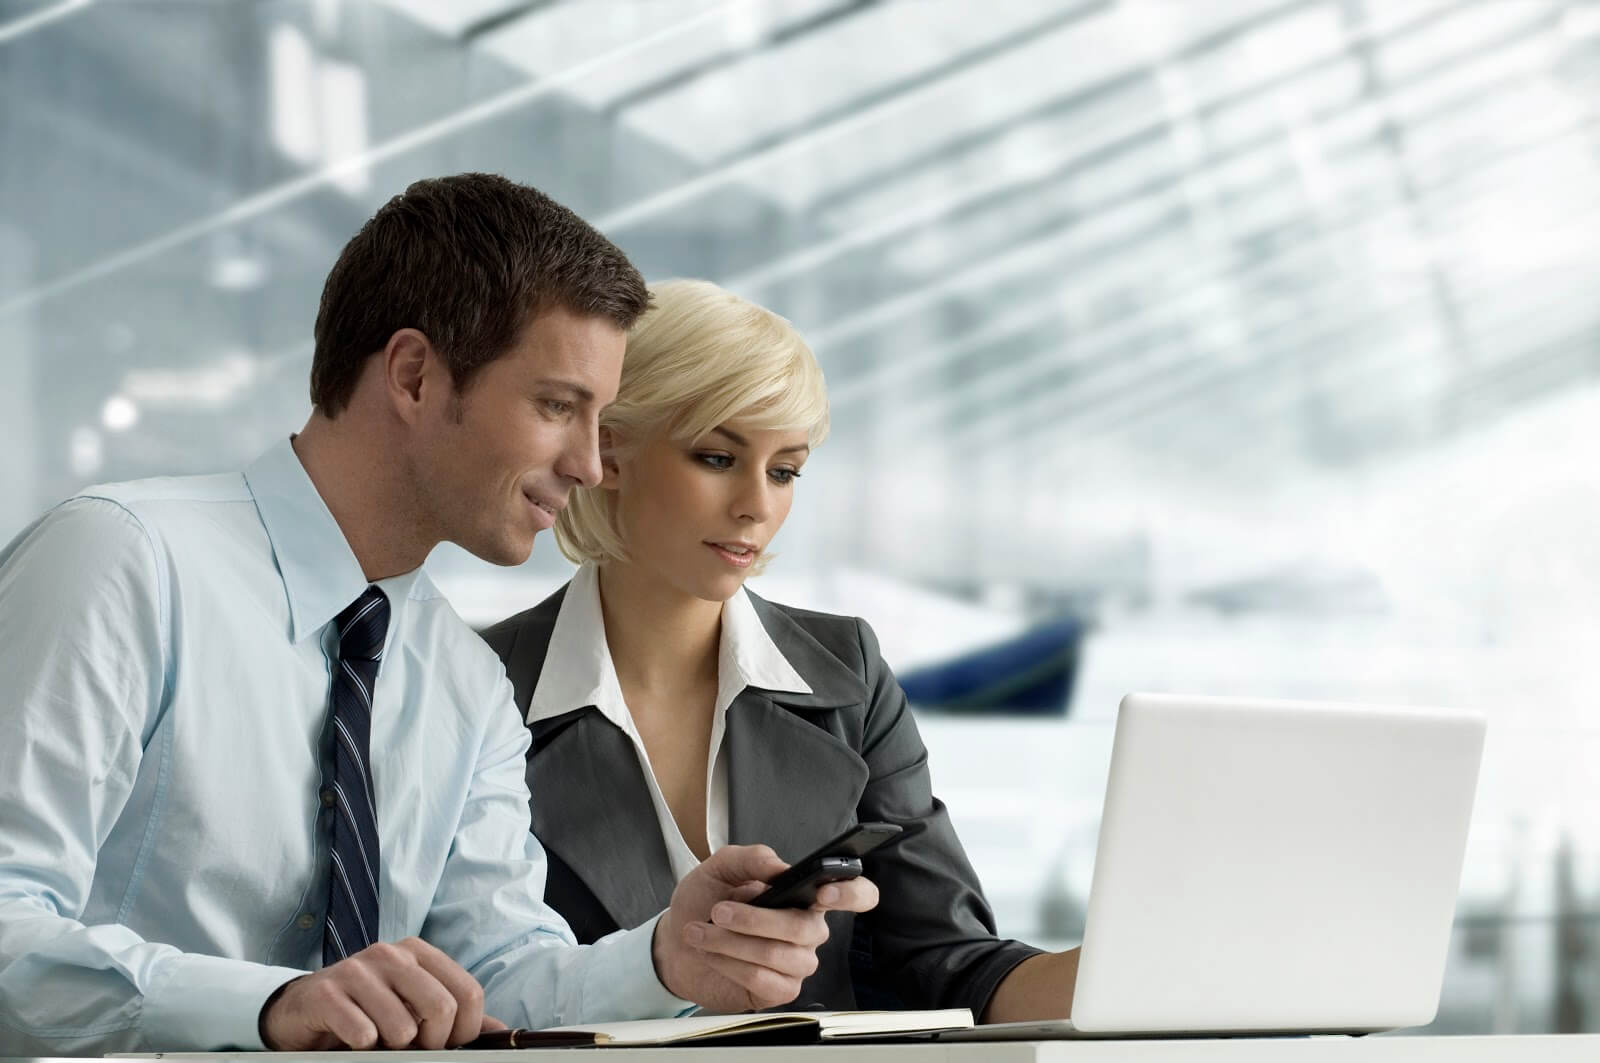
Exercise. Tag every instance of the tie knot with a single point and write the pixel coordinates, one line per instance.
(362, 626)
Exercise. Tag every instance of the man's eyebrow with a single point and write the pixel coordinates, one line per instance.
(743, 442)
(577, 390)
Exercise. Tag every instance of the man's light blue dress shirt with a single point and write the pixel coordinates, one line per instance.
(164, 677)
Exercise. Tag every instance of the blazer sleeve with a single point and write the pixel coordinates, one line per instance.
(933, 934)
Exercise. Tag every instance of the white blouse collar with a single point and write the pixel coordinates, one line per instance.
(578, 669)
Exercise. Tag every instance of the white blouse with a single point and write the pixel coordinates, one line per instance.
(578, 671)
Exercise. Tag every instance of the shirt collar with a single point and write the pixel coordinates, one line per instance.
(320, 572)
(748, 657)
(578, 670)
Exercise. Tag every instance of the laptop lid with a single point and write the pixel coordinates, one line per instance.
(1275, 866)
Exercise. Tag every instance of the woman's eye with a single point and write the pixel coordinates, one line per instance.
(715, 461)
(557, 407)
(784, 476)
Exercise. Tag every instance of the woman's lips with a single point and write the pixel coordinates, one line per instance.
(739, 555)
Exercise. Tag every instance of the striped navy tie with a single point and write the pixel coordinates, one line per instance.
(352, 922)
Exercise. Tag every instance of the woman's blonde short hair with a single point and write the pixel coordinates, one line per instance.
(698, 358)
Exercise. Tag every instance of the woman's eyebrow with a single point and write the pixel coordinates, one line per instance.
(743, 442)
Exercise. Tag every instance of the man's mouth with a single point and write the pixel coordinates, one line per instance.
(545, 508)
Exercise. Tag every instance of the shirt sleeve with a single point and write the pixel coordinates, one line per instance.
(83, 670)
(933, 936)
(489, 911)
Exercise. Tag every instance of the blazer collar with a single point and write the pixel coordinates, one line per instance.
(833, 686)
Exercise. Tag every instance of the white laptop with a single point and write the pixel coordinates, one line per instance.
(1272, 867)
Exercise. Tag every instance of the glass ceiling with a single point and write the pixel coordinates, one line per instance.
(1222, 246)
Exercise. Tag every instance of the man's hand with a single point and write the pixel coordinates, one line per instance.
(727, 956)
(408, 994)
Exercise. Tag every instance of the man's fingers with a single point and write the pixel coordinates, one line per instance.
(799, 926)
(463, 988)
(429, 1002)
(783, 957)
(347, 1022)
(491, 1024)
(851, 895)
(374, 995)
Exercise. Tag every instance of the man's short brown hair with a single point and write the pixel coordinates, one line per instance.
(468, 261)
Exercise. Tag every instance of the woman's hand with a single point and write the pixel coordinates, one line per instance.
(729, 956)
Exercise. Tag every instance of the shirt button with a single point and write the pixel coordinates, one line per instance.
(306, 921)
(327, 798)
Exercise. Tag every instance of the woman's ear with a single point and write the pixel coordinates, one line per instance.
(609, 472)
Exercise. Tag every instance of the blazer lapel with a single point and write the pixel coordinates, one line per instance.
(792, 784)
(591, 807)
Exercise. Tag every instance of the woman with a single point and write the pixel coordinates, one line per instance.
(674, 712)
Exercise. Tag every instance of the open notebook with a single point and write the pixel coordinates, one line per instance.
(769, 1027)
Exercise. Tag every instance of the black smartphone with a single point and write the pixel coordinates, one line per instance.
(836, 861)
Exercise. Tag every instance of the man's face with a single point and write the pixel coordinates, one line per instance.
(494, 470)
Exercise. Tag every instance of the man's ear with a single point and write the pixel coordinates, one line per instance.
(609, 471)
(412, 372)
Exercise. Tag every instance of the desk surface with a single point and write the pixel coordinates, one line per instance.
(1571, 1048)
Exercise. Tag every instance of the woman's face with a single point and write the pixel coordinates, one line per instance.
(698, 515)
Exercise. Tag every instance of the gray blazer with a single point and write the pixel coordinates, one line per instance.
(801, 769)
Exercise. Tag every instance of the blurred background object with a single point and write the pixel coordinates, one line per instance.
(1254, 341)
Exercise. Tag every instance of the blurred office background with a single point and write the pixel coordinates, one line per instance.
(1253, 344)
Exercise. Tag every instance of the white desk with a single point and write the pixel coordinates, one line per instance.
(1572, 1048)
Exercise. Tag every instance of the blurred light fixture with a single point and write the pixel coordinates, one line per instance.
(319, 107)
(745, 26)
(236, 264)
(344, 123)
(293, 67)
(119, 414)
(207, 385)
(1146, 30)
(85, 453)
(238, 272)
(1581, 21)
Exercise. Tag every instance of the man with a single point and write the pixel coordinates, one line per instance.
(242, 736)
